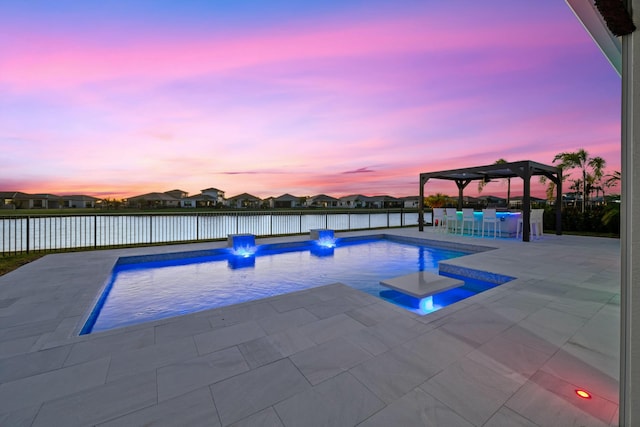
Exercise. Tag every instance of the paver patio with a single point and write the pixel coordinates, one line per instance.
(329, 356)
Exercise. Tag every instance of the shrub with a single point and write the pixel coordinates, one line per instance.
(598, 219)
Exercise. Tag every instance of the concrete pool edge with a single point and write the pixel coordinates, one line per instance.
(204, 253)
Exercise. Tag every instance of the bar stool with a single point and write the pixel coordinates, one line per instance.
(536, 221)
(439, 219)
(468, 217)
(452, 219)
(490, 216)
(535, 224)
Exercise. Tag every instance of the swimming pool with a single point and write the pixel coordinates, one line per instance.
(154, 287)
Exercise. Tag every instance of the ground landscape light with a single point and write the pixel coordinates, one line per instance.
(583, 394)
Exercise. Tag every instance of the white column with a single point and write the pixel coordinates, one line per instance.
(630, 230)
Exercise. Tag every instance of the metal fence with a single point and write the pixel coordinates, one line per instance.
(37, 233)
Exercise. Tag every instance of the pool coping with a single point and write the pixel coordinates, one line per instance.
(93, 311)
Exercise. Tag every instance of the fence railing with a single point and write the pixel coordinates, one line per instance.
(37, 233)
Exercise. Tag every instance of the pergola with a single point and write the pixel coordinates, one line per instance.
(523, 169)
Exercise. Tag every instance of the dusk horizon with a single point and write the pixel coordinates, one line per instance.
(336, 98)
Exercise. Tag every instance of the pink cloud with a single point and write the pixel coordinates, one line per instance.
(47, 61)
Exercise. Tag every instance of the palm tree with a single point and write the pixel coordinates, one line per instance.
(580, 159)
(612, 179)
(597, 165)
(612, 209)
(482, 182)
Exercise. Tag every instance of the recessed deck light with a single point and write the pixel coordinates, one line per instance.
(583, 394)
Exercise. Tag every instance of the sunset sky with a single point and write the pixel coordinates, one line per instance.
(119, 98)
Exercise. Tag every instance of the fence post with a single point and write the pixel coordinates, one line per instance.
(387, 218)
(300, 224)
(95, 231)
(28, 232)
(326, 220)
(197, 226)
(150, 228)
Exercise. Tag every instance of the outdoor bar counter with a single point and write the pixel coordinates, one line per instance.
(508, 223)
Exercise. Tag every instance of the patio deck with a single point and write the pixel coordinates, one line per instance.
(511, 356)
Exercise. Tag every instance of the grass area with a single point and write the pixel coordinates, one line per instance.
(11, 262)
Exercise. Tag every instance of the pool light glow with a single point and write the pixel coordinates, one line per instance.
(245, 251)
(426, 304)
(327, 243)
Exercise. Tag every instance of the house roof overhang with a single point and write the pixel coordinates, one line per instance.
(605, 21)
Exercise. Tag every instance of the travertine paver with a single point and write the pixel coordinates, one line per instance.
(472, 389)
(123, 396)
(191, 409)
(416, 408)
(394, 373)
(184, 376)
(328, 359)
(242, 395)
(52, 384)
(505, 417)
(287, 320)
(259, 352)
(264, 418)
(30, 364)
(126, 363)
(510, 356)
(324, 405)
(218, 339)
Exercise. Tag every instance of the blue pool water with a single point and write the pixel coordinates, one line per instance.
(142, 289)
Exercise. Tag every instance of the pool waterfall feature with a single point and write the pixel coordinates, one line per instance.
(323, 237)
(324, 242)
(243, 247)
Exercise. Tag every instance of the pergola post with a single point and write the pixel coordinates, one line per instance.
(526, 204)
(461, 183)
(559, 203)
(421, 205)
